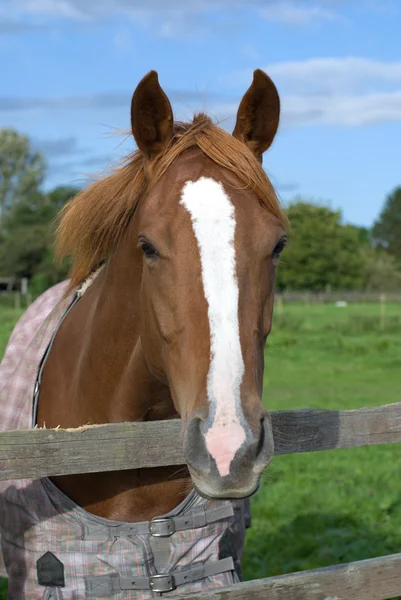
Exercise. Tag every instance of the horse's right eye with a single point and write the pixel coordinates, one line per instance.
(148, 249)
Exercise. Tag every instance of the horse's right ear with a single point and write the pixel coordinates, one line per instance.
(151, 117)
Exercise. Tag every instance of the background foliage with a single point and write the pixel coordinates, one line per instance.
(27, 214)
(323, 253)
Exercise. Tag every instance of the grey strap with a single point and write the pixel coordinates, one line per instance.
(52, 593)
(103, 585)
(166, 526)
(157, 527)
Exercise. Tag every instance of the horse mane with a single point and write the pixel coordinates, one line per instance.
(93, 222)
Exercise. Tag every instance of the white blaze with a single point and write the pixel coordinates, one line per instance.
(213, 221)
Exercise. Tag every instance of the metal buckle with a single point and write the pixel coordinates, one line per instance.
(162, 583)
(166, 522)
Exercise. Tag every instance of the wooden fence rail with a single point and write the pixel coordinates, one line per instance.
(21, 297)
(373, 579)
(310, 297)
(120, 446)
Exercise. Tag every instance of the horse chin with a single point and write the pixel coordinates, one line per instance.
(205, 491)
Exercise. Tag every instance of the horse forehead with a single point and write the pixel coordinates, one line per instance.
(218, 205)
(206, 199)
(165, 212)
(212, 216)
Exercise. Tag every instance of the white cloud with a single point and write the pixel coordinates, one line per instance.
(345, 111)
(342, 110)
(167, 18)
(291, 13)
(335, 91)
(287, 11)
(67, 9)
(332, 74)
(99, 101)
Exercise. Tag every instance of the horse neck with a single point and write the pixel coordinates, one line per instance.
(99, 343)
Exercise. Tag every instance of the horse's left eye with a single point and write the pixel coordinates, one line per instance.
(279, 248)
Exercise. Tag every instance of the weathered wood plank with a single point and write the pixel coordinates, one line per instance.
(310, 430)
(111, 447)
(373, 579)
(121, 446)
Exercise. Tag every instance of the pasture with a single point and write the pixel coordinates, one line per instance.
(319, 509)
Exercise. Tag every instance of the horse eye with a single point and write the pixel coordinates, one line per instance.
(148, 250)
(279, 248)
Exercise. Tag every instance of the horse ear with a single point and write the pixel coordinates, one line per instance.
(258, 114)
(151, 117)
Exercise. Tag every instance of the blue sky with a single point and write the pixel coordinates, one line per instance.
(69, 68)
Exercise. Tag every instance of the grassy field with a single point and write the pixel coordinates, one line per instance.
(324, 508)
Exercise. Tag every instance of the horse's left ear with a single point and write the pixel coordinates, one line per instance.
(258, 114)
(151, 117)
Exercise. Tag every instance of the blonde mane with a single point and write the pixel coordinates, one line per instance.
(92, 224)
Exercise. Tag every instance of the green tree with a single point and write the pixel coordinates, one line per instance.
(322, 251)
(26, 247)
(386, 230)
(21, 170)
(61, 195)
(382, 271)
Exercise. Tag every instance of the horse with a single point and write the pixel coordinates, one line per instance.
(165, 315)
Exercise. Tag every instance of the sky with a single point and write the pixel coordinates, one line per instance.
(69, 68)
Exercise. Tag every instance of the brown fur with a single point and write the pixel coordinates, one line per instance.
(93, 223)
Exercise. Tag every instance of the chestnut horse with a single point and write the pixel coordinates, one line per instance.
(174, 325)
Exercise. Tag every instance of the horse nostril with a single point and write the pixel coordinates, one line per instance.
(195, 451)
(261, 441)
(265, 447)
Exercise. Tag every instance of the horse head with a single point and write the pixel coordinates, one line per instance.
(210, 232)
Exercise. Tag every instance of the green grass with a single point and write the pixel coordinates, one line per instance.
(8, 318)
(324, 508)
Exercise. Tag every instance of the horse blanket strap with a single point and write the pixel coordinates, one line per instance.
(159, 526)
(104, 585)
(52, 594)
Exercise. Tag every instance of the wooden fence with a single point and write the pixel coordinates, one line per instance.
(17, 299)
(119, 446)
(350, 296)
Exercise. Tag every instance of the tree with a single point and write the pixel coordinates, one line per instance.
(382, 271)
(61, 195)
(322, 251)
(26, 247)
(27, 214)
(21, 170)
(387, 229)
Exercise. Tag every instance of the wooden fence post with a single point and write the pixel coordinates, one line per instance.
(17, 301)
(280, 308)
(382, 310)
